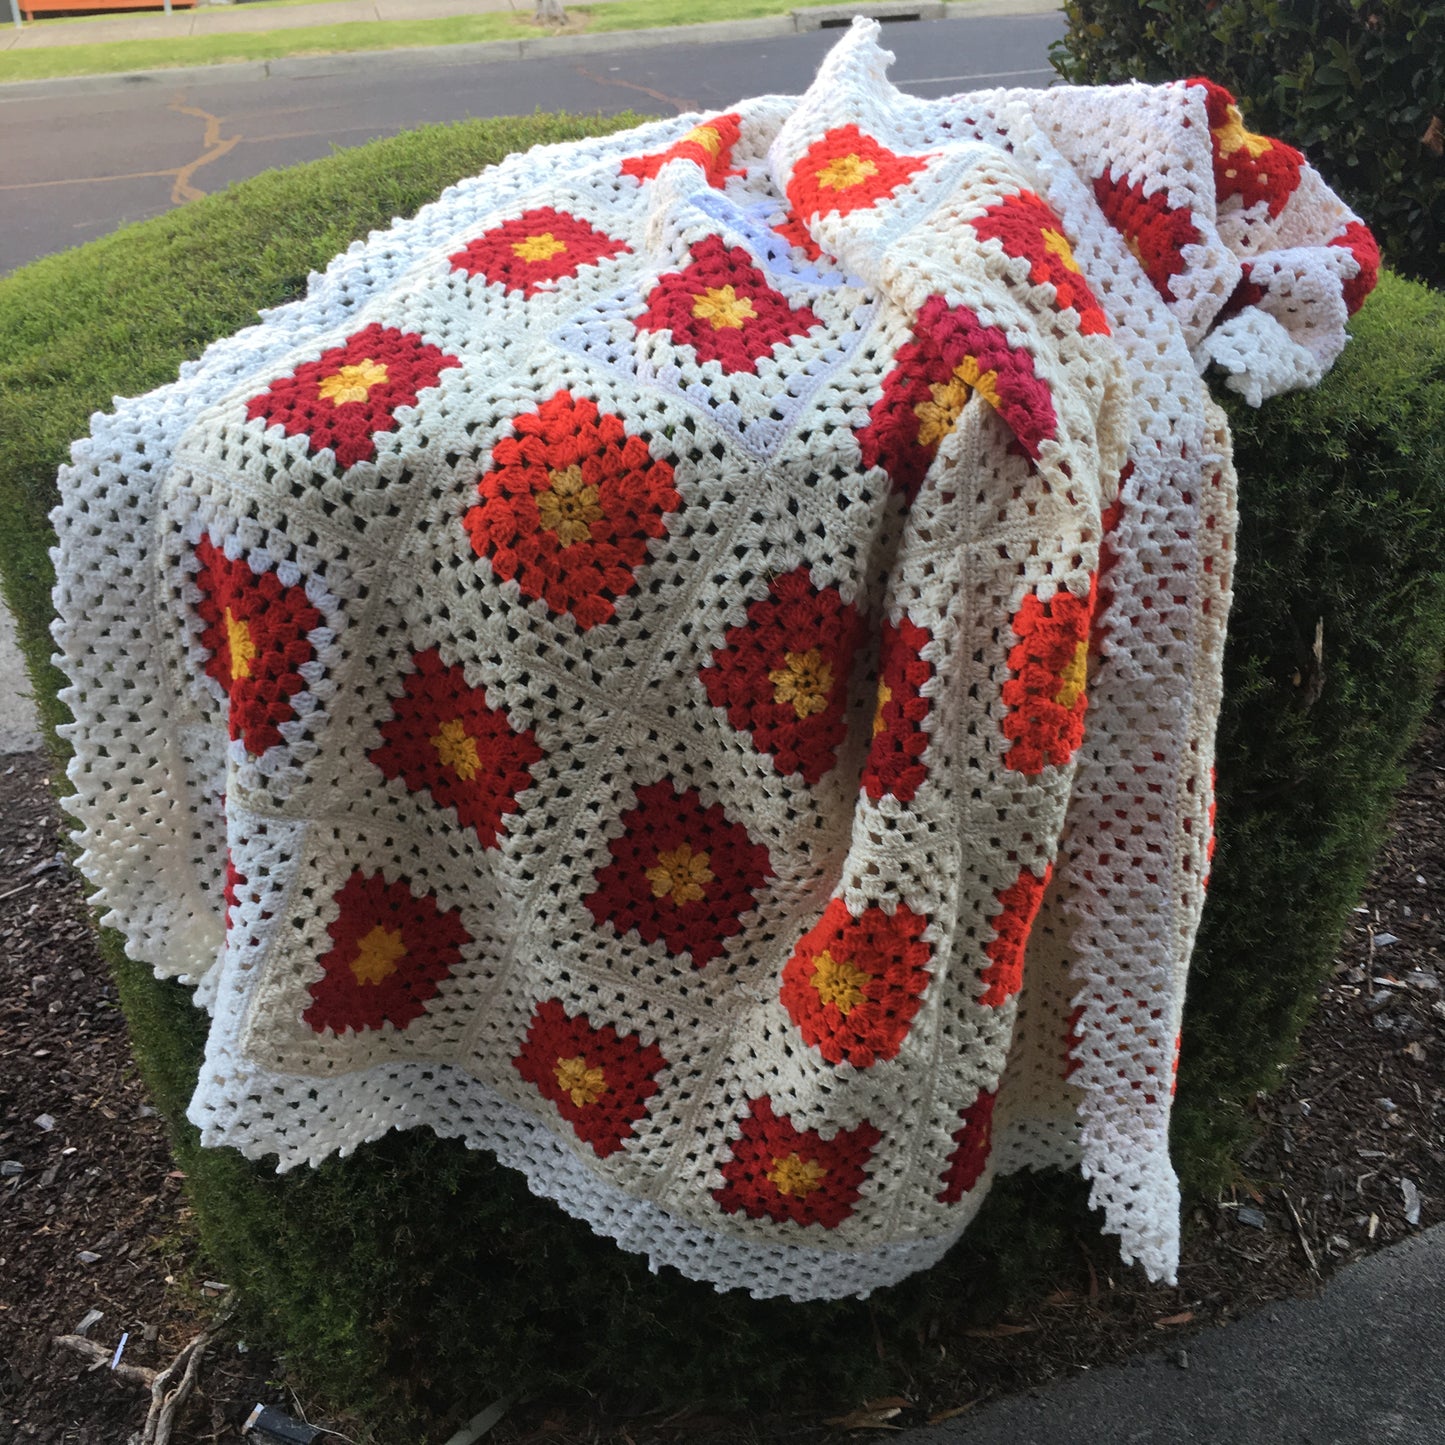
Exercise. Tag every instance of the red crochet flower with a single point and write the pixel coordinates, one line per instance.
(975, 1142)
(391, 951)
(783, 674)
(1253, 167)
(1027, 227)
(709, 145)
(723, 308)
(895, 756)
(795, 233)
(845, 170)
(536, 250)
(600, 1080)
(257, 631)
(350, 393)
(1045, 695)
(1357, 240)
(682, 871)
(953, 357)
(1019, 902)
(780, 1173)
(853, 985)
(568, 507)
(1155, 234)
(443, 737)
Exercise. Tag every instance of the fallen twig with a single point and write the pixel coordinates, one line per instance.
(99, 1355)
(166, 1398)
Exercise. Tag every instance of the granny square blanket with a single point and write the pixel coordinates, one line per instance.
(692, 664)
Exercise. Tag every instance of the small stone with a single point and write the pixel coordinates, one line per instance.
(11, 1168)
(1254, 1218)
(87, 1256)
(1384, 940)
(1410, 1192)
(150, 1334)
(1388, 1105)
(146, 1112)
(45, 1122)
(1425, 979)
(1380, 999)
(92, 1318)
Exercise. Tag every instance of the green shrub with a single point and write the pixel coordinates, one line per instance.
(417, 1276)
(1359, 85)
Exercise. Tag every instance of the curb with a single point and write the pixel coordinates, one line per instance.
(490, 52)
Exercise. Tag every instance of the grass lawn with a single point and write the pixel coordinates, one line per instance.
(169, 51)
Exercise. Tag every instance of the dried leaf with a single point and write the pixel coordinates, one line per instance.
(1183, 1318)
(1000, 1331)
(865, 1419)
(939, 1416)
(1434, 138)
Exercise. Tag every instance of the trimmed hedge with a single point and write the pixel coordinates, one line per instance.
(1358, 84)
(416, 1276)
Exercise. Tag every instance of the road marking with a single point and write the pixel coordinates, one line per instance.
(683, 106)
(182, 190)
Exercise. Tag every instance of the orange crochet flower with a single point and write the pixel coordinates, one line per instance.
(1045, 694)
(952, 358)
(1253, 167)
(391, 951)
(1153, 231)
(846, 170)
(853, 985)
(721, 305)
(568, 507)
(352, 392)
(709, 145)
(443, 737)
(974, 1143)
(534, 251)
(682, 871)
(1019, 904)
(258, 633)
(1026, 226)
(895, 756)
(783, 1173)
(599, 1079)
(783, 674)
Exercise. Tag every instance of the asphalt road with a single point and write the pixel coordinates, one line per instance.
(78, 160)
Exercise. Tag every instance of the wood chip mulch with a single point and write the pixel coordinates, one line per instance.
(1350, 1158)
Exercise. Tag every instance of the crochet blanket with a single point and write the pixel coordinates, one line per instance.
(692, 663)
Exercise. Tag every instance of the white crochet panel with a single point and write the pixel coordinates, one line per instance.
(692, 663)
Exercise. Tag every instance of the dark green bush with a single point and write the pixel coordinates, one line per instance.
(417, 1277)
(1359, 85)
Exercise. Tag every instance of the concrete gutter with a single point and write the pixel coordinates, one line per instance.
(490, 52)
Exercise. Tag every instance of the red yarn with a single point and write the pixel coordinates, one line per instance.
(1045, 696)
(975, 1143)
(781, 1173)
(853, 985)
(709, 145)
(783, 674)
(1253, 167)
(444, 738)
(721, 306)
(925, 391)
(316, 401)
(682, 872)
(391, 951)
(1358, 241)
(269, 625)
(535, 250)
(1020, 901)
(1155, 234)
(895, 757)
(599, 1079)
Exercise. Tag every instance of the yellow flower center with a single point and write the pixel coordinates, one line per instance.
(704, 136)
(796, 1176)
(1135, 249)
(938, 417)
(1056, 244)
(885, 696)
(1073, 678)
(378, 954)
(541, 247)
(1232, 136)
(681, 874)
(352, 383)
(805, 679)
(845, 172)
(457, 749)
(584, 1085)
(723, 307)
(241, 645)
(839, 982)
(570, 506)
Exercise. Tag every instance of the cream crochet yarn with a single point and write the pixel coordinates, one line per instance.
(693, 663)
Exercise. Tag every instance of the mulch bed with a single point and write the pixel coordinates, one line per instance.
(1350, 1157)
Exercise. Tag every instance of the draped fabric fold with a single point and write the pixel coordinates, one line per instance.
(693, 662)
